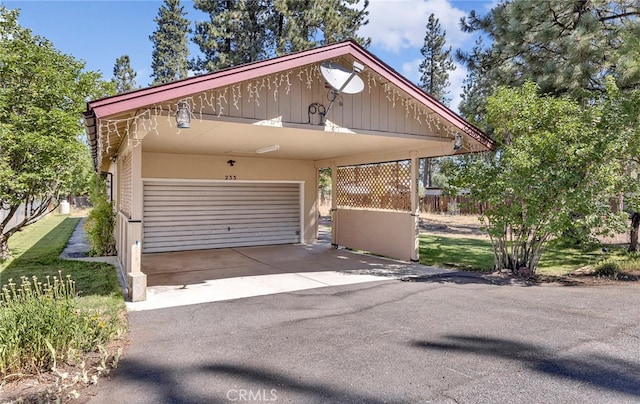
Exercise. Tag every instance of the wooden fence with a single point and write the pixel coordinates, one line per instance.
(454, 205)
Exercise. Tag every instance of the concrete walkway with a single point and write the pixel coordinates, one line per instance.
(334, 268)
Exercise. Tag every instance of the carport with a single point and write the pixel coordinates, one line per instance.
(230, 159)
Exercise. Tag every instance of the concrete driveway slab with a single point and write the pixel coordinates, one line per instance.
(389, 342)
(193, 277)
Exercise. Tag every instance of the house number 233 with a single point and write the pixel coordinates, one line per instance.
(230, 177)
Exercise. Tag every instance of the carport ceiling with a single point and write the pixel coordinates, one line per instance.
(303, 142)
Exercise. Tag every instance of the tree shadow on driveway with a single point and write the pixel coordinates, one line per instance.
(226, 383)
(465, 277)
(311, 392)
(597, 370)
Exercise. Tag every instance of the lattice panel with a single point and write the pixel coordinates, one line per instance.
(126, 182)
(375, 186)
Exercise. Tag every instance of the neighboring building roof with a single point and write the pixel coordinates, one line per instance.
(120, 103)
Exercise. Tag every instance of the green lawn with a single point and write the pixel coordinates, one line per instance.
(36, 249)
(477, 255)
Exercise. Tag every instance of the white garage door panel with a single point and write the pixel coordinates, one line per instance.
(191, 216)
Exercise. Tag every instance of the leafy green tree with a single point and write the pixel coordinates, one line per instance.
(245, 31)
(169, 59)
(566, 47)
(124, 77)
(552, 168)
(620, 123)
(42, 95)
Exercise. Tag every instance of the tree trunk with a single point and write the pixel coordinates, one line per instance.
(426, 177)
(635, 226)
(4, 247)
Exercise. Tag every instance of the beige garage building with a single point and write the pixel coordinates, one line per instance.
(245, 170)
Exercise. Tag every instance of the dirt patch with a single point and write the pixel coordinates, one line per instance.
(469, 226)
(577, 278)
(463, 226)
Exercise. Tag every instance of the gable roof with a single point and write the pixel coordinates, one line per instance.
(120, 103)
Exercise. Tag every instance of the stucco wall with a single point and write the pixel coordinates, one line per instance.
(182, 166)
(381, 232)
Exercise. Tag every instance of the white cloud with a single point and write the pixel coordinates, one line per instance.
(455, 89)
(395, 25)
(410, 70)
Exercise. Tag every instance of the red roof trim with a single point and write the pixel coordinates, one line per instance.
(182, 88)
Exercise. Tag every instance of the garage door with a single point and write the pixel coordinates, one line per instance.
(200, 215)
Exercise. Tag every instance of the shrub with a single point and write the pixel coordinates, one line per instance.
(101, 222)
(632, 263)
(608, 268)
(41, 325)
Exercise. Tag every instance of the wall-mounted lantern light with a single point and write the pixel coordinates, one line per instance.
(183, 116)
(457, 142)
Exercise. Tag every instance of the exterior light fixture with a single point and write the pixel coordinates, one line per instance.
(268, 149)
(457, 142)
(183, 116)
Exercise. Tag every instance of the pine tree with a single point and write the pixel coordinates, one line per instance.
(170, 43)
(245, 31)
(437, 61)
(566, 47)
(124, 77)
(435, 78)
(236, 33)
(476, 87)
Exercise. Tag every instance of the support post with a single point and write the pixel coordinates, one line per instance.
(334, 205)
(136, 280)
(415, 206)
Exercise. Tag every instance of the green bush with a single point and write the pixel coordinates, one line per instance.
(41, 324)
(101, 222)
(608, 268)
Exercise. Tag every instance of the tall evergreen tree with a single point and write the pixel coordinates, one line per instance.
(437, 62)
(244, 31)
(566, 47)
(340, 20)
(476, 87)
(236, 33)
(124, 77)
(434, 79)
(170, 44)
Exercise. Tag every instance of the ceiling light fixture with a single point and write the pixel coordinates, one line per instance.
(268, 149)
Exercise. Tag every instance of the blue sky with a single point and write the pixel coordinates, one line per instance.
(100, 31)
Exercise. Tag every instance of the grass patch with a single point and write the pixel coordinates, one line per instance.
(36, 249)
(46, 320)
(462, 253)
(477, 255)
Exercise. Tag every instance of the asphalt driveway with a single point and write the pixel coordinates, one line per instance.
(453, 340)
